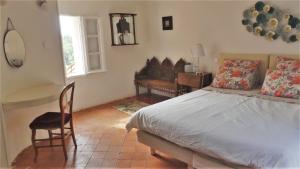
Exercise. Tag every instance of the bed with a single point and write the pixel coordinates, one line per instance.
(224, 129)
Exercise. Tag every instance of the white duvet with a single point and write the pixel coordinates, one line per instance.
(245, 130)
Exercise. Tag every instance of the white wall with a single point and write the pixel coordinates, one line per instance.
(44, 64)
(3, 157)
(215, 24)
(121, 62)
(40, 31)
(3, 153)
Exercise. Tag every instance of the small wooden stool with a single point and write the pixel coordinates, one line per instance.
(56, 120)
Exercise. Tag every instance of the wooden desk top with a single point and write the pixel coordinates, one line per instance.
(32, 95)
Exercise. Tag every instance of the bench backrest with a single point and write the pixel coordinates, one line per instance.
(162, 71)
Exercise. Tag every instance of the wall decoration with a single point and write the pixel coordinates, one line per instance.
(271, 23)
(122, 29)
(167, 23)
(14, 46)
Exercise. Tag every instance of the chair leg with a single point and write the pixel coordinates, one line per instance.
(50, 137)
(33, 144)
(73, 133)
(63, 143)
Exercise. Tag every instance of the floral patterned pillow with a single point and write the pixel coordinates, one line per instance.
(237, 74)
(235, 78)
(282, 83)
(245, 64)
(288, 64)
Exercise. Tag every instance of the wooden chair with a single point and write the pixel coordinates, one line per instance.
(56, 120)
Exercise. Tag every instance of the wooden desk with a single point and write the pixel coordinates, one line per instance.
(32, 95)
(20, 108)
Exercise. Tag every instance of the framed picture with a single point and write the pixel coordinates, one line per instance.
(167, 23)
(122, 29)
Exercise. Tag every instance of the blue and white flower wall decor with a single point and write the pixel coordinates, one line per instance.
(271, 23)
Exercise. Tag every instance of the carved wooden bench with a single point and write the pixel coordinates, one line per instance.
(159, 76)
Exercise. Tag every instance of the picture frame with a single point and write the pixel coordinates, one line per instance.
(167, 23)
(122, 29)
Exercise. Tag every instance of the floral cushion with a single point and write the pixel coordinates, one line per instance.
(245, 64)
(281, 83)
(237, 74)
(288, 64)
(235, 78)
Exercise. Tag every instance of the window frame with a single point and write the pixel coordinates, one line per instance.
(84, 39)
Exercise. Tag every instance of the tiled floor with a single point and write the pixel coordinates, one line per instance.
(102, 143)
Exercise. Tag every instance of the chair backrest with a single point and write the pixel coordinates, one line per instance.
(66, 100)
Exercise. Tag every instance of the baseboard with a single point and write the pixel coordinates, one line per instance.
(109, 103)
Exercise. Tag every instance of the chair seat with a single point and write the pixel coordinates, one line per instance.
(49, 120)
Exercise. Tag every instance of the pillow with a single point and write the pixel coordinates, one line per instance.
(237, 74)
(245, 64)
(235, 78)
(281, 83)
(288, 64)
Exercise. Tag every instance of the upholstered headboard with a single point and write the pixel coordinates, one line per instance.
(273, 60)
(263, 58)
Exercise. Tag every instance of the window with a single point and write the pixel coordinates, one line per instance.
(81, 41)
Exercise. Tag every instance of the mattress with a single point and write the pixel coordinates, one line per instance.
(245, 130)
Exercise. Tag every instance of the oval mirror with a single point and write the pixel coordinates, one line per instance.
(14, 49)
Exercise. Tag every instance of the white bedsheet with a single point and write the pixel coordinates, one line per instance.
(245, 130)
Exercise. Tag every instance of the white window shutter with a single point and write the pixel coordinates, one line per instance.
(93, 46)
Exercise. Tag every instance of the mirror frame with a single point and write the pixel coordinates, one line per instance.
(5, 53)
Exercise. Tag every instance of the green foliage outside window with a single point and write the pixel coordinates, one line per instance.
(68, 50)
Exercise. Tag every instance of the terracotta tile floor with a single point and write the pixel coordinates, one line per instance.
(102, 143)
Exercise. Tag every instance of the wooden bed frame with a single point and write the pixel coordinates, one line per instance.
(201, 160)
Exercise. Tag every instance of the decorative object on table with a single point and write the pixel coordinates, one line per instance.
(187, 81)
(122, 29)
(14, 47)
(269, 21)
(188, 67)
(167, 23)
(197, 52)
(159, 76)
(130, 106)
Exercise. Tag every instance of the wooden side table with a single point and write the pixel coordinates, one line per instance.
(187, 81)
